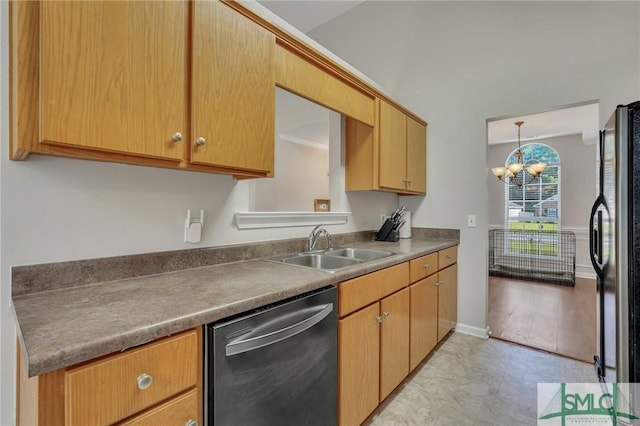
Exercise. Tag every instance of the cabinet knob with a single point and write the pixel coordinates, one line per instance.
(191, 422)
(379, 318)
(144, 381)
(201, 141)
(449, 256)
(177, 137)
(426, 266)
(386, 314)
(439, 283)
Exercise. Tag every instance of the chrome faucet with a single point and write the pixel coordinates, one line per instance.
(317, 232)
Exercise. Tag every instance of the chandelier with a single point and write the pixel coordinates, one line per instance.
(519, 173)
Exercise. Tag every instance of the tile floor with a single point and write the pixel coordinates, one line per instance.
(475, 382)
(555, 318)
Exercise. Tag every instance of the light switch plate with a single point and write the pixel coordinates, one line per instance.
(471, 221)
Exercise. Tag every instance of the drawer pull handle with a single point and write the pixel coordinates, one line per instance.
(191, 422)
(449, 256)
(426, 266)
(439, 283)
(379, 318)
(144, 381)
(386, 314)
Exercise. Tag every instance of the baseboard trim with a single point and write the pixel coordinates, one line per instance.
(483, 333)
(587, 275)
(585, 271)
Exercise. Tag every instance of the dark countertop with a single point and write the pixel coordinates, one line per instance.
(62, 327)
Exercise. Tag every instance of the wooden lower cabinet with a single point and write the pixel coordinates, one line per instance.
(373, 356)
(394, 341)
(447, 300)
(387, 328)
(179, 411)
(359, 363)
(424, 319)
(157, 383)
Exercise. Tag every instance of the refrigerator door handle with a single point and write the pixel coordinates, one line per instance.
(595, 236)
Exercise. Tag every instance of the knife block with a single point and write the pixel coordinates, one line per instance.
(387, 233)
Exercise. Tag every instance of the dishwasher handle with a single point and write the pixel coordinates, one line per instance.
(243, 344)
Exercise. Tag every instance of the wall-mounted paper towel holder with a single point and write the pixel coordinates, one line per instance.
(193, 228)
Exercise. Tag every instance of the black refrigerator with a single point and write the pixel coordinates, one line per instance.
(615, 247)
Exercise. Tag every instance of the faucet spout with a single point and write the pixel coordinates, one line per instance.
(316, 233)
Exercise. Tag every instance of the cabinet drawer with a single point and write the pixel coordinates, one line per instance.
(108, 390)
(178, 411)
(423, 266)
(361, 291)
(447, 257)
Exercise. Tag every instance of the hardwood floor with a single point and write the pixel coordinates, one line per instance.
(558, 319)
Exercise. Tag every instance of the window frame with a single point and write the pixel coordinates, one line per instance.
(540, 220)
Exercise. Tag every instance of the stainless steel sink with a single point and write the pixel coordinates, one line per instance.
(333, 259)
(359, 253)
(317, 261)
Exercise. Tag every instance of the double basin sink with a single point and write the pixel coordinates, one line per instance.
(332, 259)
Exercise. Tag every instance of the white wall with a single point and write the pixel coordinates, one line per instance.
(458, 63)
(56, 209)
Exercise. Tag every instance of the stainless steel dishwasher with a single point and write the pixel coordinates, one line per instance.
(276, 365)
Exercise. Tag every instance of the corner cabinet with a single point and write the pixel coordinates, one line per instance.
(171, 84)
(390, 156)
(157, 383)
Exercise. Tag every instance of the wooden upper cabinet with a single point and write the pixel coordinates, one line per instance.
(390, 156)
(392, 124)
(233, 90)
(113, 75)
(302, 76)
(416, 157)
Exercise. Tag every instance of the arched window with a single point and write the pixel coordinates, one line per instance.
(536, 205)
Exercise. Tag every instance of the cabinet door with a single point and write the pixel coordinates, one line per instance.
(424, 319)
(113, 75)
(392, 130)
(447, 300)
(394, 341)
(358, 363)
(233, 90)
(416, 157)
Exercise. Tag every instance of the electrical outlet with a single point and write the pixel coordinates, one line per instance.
(471, 221)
